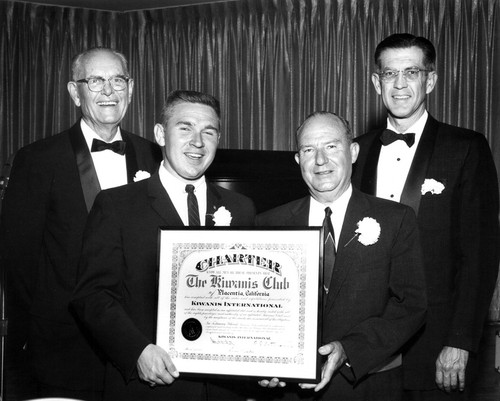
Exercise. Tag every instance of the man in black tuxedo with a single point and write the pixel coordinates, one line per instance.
(375, 299)
(116, 294)
(51, 190)
(447, 175)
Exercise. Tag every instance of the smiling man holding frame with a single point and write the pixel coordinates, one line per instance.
(116, 297)
(375, 299)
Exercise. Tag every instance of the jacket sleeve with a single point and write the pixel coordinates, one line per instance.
(98, 297)
(374, 340)
(24, 213)
(477, 246)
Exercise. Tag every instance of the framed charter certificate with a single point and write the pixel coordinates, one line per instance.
(241, 302)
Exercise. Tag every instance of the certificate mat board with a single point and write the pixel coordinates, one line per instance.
(241, 302)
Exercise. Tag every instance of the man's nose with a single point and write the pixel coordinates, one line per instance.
(320, 157)
(400, 81)
(107, 89)
(197, 139)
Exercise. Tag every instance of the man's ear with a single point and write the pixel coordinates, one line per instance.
(376, 83)
(73, 92)
(297, 158)
(130, 89)
(354, 152)
(431, 82)
(159, 135)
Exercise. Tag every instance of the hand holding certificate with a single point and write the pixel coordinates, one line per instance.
(240, 302)
(154, 366)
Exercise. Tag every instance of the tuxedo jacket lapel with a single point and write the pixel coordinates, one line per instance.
(88, 176)
(411, 194)
(369, 177)
(161, 203)
(130, 156)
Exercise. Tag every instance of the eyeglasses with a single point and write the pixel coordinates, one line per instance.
(410, 74)
(96, 84)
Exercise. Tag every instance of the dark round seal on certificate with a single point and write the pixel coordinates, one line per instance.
(191, 329)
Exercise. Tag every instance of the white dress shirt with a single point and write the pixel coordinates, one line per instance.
(176, 190)
(339, 208)
(395, 161)
(111, 168)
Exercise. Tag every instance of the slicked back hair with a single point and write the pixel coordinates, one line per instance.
(404, 41)
(187, 96)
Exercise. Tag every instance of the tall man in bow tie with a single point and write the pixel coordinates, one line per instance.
(51, 190)
(447, 175)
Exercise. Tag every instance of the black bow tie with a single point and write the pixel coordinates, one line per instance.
(389, 136)
(116, 146)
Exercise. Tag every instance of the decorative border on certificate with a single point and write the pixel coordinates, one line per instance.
(240, 302)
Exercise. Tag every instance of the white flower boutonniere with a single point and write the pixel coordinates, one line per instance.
(432, 186)
(222, 217)
(368, 231)
(141, 175)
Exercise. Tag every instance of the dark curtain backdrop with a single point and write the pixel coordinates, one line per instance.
(270, 62)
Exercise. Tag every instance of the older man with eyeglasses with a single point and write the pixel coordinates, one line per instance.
(447, 175)
(52, 187)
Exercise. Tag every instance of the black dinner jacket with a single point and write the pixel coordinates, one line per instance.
(377, 298)
(52, 186)
(459, 232)
(116, 294)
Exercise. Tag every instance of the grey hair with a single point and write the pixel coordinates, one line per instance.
(78, 60)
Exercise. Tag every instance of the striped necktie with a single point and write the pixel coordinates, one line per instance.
(192, 203)
(328, 250)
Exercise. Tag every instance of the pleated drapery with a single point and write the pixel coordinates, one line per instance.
(270, 63)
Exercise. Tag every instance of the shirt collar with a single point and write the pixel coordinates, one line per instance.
(417, 128)
(173, 184)
(339, 208)
(89, 134)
